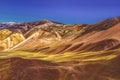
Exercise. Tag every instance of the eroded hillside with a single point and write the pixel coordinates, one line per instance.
(47, 50)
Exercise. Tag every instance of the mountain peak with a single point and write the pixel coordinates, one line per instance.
(48, 21)
(45, 21)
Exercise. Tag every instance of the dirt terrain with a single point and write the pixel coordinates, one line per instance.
(47, 50)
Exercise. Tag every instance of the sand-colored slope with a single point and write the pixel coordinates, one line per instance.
(37, 39)
(93, 41)
(11, 40)
(112, 32)
(4, 33)
(19, 65)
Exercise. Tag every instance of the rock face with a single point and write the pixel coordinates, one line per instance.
(47, 50)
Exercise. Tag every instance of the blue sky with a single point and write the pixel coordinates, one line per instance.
(64, 11)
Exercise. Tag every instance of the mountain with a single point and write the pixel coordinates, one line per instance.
(53, 36)
(48, 50)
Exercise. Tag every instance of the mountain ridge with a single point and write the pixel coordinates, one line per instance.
(48, 32)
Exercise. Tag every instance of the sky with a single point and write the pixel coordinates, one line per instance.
(64, 11)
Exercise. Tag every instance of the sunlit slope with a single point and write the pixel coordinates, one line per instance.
(4, 33)
(9, 39)
(93, 41)
(19, 65)
(67, 56)
(98, 41)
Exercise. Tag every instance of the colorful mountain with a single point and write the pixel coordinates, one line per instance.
(48, 50)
